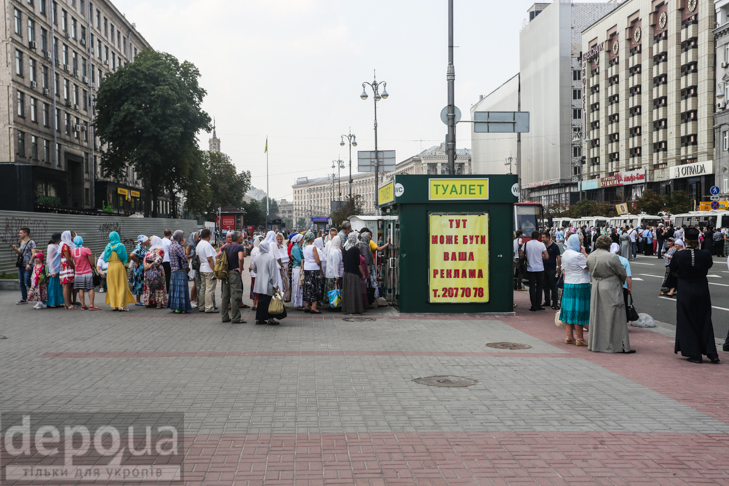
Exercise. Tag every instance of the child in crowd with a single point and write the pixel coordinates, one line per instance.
(38, 281)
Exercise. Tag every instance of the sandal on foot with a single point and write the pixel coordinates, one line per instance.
(581, 343)
(569, 341)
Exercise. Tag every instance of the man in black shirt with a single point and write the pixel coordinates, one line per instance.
(660, 239)
(232, 288)
(552, 267)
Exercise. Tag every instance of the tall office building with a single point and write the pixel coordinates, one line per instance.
(649, 79)
(56, 54)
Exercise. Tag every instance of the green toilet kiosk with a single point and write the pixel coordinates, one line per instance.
(451, 245)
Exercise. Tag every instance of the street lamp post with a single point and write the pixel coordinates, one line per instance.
(375, 86)
(508, 162)
(352, 143)
(339, 165)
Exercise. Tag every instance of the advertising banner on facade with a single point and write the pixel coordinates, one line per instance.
(459, 189)
(459, 258)
(228, 222)
(633, 177)
(692, 170)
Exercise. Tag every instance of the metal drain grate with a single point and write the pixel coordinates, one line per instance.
(359, 319)
(512, 346)
(446, 381)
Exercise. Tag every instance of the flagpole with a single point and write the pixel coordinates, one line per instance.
(268, 196)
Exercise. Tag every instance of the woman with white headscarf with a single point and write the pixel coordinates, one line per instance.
(155, 290)
(575, 308)
(267, 279)
(273, 249)
(313, 274)
(335, 266)
(282, 256)
(254, 255)
(297, 260)
(353, 276)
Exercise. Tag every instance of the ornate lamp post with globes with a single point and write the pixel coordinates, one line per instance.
(352, 143)
(375, 86)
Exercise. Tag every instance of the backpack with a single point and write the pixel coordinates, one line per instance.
(196, 262)
(156, 278)
(221, 267)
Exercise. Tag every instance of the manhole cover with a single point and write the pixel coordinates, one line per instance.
(359, 319)
(508, 346)
(446, 381)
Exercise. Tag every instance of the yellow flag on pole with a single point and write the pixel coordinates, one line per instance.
(266, 151)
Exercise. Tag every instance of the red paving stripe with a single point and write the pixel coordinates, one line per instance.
(654, 365)
(225, 354)
(457, 458)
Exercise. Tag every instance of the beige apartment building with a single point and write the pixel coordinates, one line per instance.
(56, 54)
(649, 75)
(313, 197)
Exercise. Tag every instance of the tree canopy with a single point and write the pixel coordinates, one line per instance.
(215, 185)
(148, 116)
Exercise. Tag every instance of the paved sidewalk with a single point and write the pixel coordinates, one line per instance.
(319, 400)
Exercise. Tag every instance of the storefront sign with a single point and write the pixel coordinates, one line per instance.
(590, 185)
(692, 170)
(123, 192)
(135, 193)
(386, 194)
(611, 181)
(460, 189)
(228, 222)
(459, 258)
(594, 52)
(633, 177)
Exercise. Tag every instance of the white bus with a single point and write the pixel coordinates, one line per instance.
(636, 220)
(702, 219)
(590, 221)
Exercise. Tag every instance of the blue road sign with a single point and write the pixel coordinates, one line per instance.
(714, 190)
(714, 205)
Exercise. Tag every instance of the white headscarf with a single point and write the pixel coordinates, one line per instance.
(337, 242)
(352, 240)
(679, 242)
(615, 248)
(297, 238)
(271, 239)
(155, 243)
(67, 239)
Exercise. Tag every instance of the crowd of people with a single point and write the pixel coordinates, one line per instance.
(594, 274)
(314, 271)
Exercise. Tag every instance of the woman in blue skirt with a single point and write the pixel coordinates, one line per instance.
(575, 312)
(179, 293)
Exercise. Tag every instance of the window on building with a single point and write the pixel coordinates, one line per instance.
(118, 39)
(725, 137)
(86, 133)
(73, 27)
(64, 53)
(21, 104)
(577, 151)
(66, 93)
(31, 70)
(84, 71)
(44, 40)
(34, 147)
(74, 63)
(124, 45)
(83, 32)
(576, 94)
(106, 28)
(54, 12)
(46, 151)
(46, 115)
(85, 100)
(56, 88)
(98, 19)
(31, 30)
(106, 54)
(58, 154)
(45, 77)
(67, 119)
(577, 114)
(18, 22)
(76, 123)
(112, 32)
(113, 61)
(75, 95)
(42, 5)
(18, 62)
(58, 120)
(21, 143)
(64, 20)
(98, 49)
(33, 110)
(726, 53)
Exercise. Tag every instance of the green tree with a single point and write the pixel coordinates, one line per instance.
(586, 207)
(254, 215)
(351, 207)
(300, 223)
(225, 186)
(650, 202)
(273, 209)
(678, 202)
(148, 116)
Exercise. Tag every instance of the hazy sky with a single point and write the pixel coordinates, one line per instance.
(293, 70)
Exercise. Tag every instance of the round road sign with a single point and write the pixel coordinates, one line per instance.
(714, 205)
(714, 190)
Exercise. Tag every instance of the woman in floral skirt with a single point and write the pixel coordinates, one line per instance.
(155, 290)
(38, 281)
(136, 268)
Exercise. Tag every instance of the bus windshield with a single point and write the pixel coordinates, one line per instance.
(651, 221)
(527, 218)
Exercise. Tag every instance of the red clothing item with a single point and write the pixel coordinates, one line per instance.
(291, 245)
(81, 259)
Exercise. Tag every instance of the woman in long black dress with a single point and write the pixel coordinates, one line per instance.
(694, 330)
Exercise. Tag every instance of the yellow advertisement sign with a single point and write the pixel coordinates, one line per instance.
(720, 205)
(459, 258)
(387, 194)
(135, 193)
(459, 189)
(123, 192)
(622, 208)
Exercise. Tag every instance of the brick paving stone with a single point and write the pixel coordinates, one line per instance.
(322, 401)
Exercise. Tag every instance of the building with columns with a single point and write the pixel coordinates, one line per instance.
(314, 197)
(56, 54)
(649, 77)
